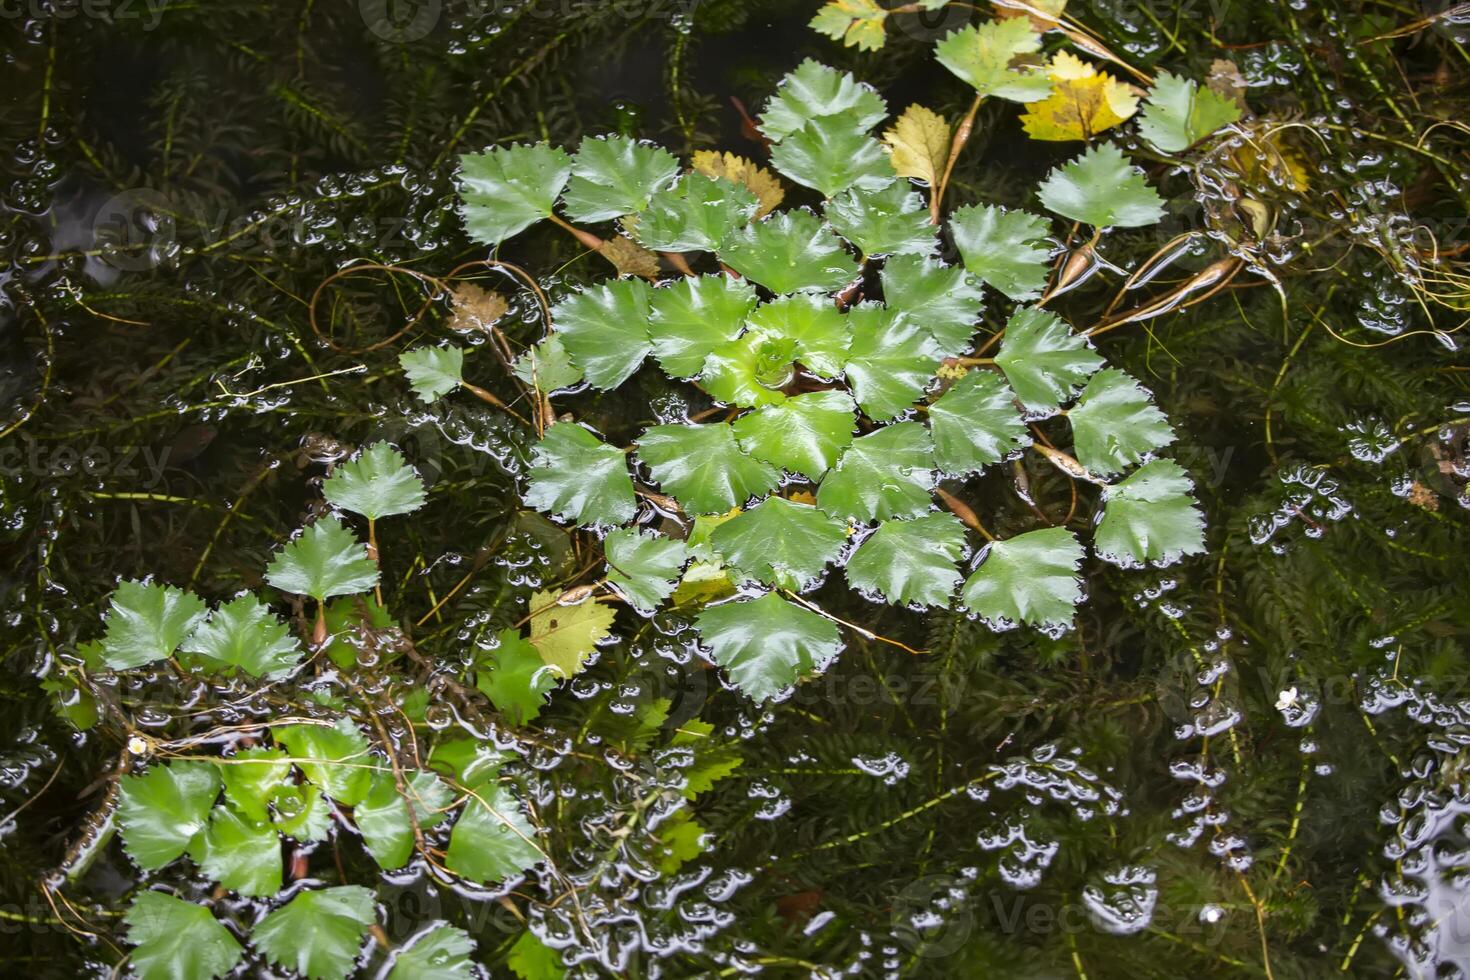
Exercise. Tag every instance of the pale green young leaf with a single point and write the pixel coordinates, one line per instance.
(578, 477)
(1031, 578)
(324, 560)
(791, 251)
(813, 324)
(780, 542)
(803, 434)
(336, 760)
(378, 483)
(242, 855)
(492, 839)
(681, 839)
(831, 155)
(531, 959)
(944, 301)
(1104, 189)
(1180, 112)
(565, 634)
(383, 815)
(547, 366)
(1150, 517)
(814, 91)
(766, 645)
(983, 56)
(438, 953)
(244, 634)
(693, 316)
(515, 678)
(703, 468)
(643, 566)
(433, 372)
(613, 176)
(605, 329)
(887, 473)
(911, 562)
(891, 361)
(302, 812)
(750, 370)
(146, 623)
(1006, 249)
(318, 933)
(699, 214)
(975, 424)
(161, 811)
(1043, 360)
(175, 939)
(506, 190)
(1114, 424)
(251, 777)
(890, 220)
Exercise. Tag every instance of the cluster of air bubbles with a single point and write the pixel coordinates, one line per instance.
(1370, 440)
(1309, 497)
(890, 767)
(1123, 904)
(1156, 595)
(1277, 64)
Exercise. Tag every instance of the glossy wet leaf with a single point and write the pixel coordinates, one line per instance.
(351, 620)
(983, 56)
(318, 933)
(251, 777)
(910, 562)
(693, 316)
(377, 483)
(244, 634)
(766, 645)
(781, 543)
(548, 366)
(440, 953)
(813, 324)
(699, 214)
(1030, 578)
(515, 678)
(323, 561)
(604, 329)
(1007, 249)
(1150, 517)
(1114, 423)
(175, 939)
(750, 370)
(468, 761)
(565, 634)
(336, 759)
(803, 434)
(533, 960)
(887, 473)
(1104, 189)
(814, 91)
(1180, 112)
(161, 810)
(681, 839)
(703, 468)
(918, 144)
(891, 361)
(1083, 102)
(613, 176)
(241, 854)
(492, 839)
(976, 424)
(831, 155)
(890, 220)
(383, 815)
(433, 372)
(744, 172)
(578, 477)
(856, 23)
(1044, 360)
(945, 301)
(793, 251)
(147, 622)
(302, 812)
(643, 566)
(506, 190)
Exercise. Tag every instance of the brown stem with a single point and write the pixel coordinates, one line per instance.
(585, 237)
(319, 631)
(372, 547)
(680, 264)
(964, 512)
(956, 144)
(487, 397)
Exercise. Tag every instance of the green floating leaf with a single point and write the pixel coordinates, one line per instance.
(565, 634)
(530, 959)
(1114, 424)
(578, 477)
(378, 483)
(242, 855)
(492, 839)
(508, 189)
(792, 251)
(831, 155)
(383, 815)
(146, 623)
(945, 301)
(470, 763)
(613, 176)
(438, 953)
(766, 645)
(975, 424)
(814, 91)
(910, 562)
(161, 810)
(605, 330)
(251, 778)
(891, 361)
(890, 220)
(695, 315)
(856, 23)
(1104, 189)
(318, 933)
(750, 370)
(337, 759)
(804, 434)
(1031, 578)
(887, 473)
(1150, 517)
(780, 542)
(1007, 249)
(325, 560)
(548, 367)
(698, 215)
(702, 467)
(349, 621)
(643, 566)
(176, 939)
(302, 812)
(515, 678)
(813, 324)
(433, 372)
(983, 55)
(1043, 360)
(1180, 112)
(243, 634)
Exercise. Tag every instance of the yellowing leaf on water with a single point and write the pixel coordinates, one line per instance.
(1044, 14)
(476, 309)
(630, 258)
(1083, 102)
(738, 170)
(1264, 159)
(565, 635)
(919, 144)
(856, 23)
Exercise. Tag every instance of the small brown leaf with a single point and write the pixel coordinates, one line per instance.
(738, 170)
(1227, 82)
(630, 258)
(919, 144)
(476, 309)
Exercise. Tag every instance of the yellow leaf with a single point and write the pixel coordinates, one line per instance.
(1083, 102)
(856, 23)
(630, 258)
(1263, 159)
(1044, 14)
(566, 635)
(738, 170)
(919, 144)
